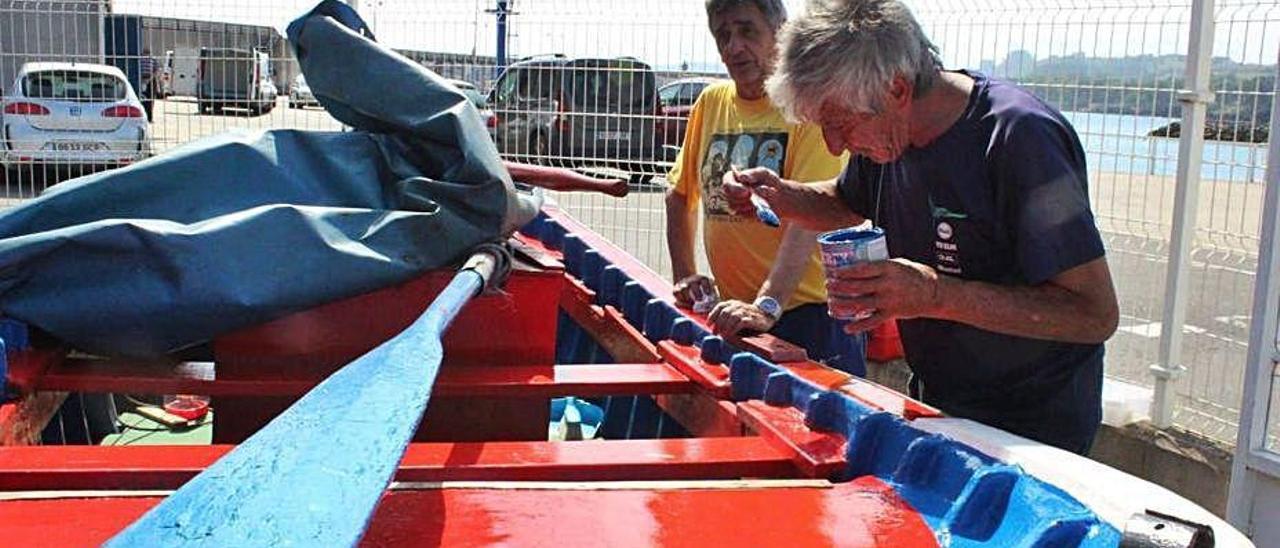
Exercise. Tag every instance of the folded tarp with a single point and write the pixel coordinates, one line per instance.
(241, 228)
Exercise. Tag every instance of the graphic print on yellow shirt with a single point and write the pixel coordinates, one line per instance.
(728, 131)
(741, 151)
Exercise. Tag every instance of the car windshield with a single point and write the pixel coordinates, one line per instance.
(617, 85)
(73, 85)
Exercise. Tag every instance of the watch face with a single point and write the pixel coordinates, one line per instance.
(769, 306)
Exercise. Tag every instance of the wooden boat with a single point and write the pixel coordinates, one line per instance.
(707, 441)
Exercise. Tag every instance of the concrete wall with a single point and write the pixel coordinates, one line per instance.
(66, 30)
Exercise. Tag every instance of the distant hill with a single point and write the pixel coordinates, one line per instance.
(1147, 85)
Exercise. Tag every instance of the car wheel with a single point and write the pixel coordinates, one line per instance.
(202, 108)
(215, 108)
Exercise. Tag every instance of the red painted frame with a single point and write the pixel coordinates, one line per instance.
(500, 379)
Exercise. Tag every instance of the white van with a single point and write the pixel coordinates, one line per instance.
(181, 65)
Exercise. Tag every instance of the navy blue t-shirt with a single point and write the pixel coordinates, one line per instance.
(1000, 197)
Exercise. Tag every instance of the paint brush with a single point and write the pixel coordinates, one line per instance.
(763, 211)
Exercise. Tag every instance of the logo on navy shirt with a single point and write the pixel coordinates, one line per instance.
(944, 230)
(946, 250)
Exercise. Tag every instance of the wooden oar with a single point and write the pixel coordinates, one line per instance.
(554, 178)
(314, 475)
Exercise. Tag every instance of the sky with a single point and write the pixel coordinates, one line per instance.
(669, 33)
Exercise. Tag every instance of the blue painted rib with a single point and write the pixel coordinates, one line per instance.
(314, 475)
(967, 497)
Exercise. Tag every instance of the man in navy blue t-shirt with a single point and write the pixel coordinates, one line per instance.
(998, 277)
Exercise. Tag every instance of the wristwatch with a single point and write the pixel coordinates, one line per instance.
(769, 306)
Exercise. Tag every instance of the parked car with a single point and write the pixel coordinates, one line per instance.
(676, 99)
(72, 114)
(578, 112)
(300, 93)
(235, 78)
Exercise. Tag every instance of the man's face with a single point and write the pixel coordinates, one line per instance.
(880, 136)
(747, 47)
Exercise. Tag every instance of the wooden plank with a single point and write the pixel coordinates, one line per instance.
(315, 473)
(563, 380)
(864, 512)
(136, 377)
(22, 419)
(168, 467)
(817, 454)
(713, 378)
(607, 326)
(701, 414)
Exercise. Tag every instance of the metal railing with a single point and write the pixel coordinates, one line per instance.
(1117, 69)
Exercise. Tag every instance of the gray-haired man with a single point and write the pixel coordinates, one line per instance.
(998, 277)
(770, 278)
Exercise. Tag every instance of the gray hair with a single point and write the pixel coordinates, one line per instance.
(848, 52)
(774, 12)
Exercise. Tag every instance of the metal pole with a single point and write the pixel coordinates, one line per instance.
(1195, 99)
(501, 13)
(102, 31)
(1252, 435)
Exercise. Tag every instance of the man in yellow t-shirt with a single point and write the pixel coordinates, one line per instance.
(770, 279)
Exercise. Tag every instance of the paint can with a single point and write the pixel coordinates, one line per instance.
(849, 246)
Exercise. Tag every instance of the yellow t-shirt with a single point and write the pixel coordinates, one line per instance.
(726, 130)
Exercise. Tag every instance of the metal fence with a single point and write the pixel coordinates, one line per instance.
(1117, 69)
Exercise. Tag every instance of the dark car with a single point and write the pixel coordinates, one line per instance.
(676, 99)
(578, 112)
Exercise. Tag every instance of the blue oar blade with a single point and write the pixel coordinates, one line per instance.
(314, 475)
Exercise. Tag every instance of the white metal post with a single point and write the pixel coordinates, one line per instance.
(1195, 99)
(102, 32)
(1251, 456)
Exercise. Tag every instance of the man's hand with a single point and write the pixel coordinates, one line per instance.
(732, 317)
(777, 192)
(691, 288)
(896, 288)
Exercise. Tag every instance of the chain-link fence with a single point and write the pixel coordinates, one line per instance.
(606, 85)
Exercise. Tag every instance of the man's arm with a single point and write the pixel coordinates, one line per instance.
(1078, 305)
(681, 221)
(813, 206)
(731, 317)
(689, 286)
(788, 266)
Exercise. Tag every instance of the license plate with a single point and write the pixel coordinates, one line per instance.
(613, 136)
(75, 146)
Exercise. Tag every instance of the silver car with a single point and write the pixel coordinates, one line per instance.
(72, 114)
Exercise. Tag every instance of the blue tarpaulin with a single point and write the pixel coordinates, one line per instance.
(244, 227)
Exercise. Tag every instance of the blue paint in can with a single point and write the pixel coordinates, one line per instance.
(850, 246)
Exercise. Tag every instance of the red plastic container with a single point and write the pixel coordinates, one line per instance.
(883, 343)
(187, 406)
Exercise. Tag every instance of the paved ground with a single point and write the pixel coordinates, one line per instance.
(1133, 212)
